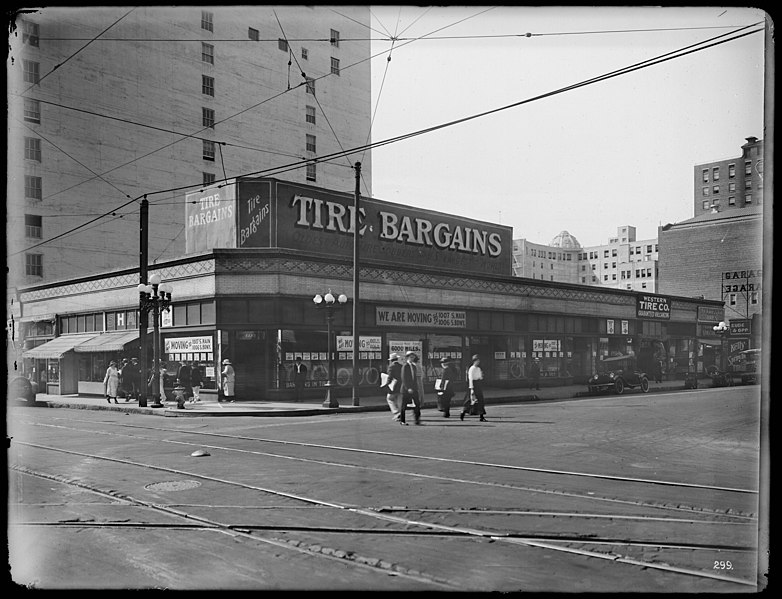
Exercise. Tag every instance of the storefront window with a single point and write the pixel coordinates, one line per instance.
(53, 371)
(312, 348)
(438, 347)
(550, 353)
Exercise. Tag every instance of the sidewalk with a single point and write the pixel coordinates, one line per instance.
(366, 404)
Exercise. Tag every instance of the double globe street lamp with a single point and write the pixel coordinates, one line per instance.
(330, 303)
(155, 297)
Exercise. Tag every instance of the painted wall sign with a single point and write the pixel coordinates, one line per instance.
(710, 314)
(654, 307)
(402, 347)
(403, 317)
(210, 218)
(188, 344)
(254, 207)
(308, 218)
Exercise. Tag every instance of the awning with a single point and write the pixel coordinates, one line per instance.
(712, 342)
(110, 342)
(57, 347)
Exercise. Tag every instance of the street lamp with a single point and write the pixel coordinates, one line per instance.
(329, 303)
(723, 330)
(157, 298)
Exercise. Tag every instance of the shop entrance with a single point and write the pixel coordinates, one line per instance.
(249, 359)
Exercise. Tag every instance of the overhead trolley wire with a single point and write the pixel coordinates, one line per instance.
(704, 45)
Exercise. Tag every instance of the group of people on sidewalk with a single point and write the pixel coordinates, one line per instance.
(404, 384)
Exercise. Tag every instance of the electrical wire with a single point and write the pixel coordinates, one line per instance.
(718, 40)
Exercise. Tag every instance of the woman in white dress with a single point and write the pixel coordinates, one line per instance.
(229, 380)
(111, 382)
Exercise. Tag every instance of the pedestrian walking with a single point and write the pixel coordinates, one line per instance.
(195, 382)
(659, 361)
(111, 382)
(419, 377)
(410, 387)
(444, 386)
(393, 386)
(299, 376)
(228, 377)
(129, 379)
(534, 374)
(473, 403)
(183, 376)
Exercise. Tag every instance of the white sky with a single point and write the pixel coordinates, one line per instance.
(617, 152)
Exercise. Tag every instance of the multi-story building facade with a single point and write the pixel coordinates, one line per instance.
(108, 105)
(731, 184)
(623, 263)
(718, 253)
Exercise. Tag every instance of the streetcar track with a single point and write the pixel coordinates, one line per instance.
(467, 531)
(589, 495)
(219, 527)
(583, 540)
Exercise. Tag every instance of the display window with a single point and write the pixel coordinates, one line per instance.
(549, 351)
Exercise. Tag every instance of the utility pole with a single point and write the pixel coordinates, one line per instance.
(142, 311)
(355, 284)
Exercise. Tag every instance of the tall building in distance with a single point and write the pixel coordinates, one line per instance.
(718, 253)
(108, 105)
(623, 263)
(730, 184)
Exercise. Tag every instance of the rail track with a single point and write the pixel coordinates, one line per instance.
(630, 522)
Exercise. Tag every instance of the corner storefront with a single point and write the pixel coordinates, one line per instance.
(430, 282)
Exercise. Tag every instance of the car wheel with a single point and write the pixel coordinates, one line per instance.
(645, 385)
(619, 386)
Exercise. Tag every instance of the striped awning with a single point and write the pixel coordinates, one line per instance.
(114, 341)
(58, 346)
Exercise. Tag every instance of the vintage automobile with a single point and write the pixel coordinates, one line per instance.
(751, 374)
(22, 390)
(617, 373)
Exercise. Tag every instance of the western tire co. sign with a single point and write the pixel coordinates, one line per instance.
(653, 307)
(271, 213)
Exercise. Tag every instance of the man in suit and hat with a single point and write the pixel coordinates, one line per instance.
(394, 389)
(228, 380)
(446, 383)
(410, 386)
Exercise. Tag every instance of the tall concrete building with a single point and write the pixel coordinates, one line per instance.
(108, 105)
(623, 263)
(718, 253)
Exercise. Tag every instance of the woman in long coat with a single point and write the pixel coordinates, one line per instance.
(111, 382)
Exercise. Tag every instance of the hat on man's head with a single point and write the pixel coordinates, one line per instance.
(475, 357)
(393, 357)
(226, 361)
(410, 353)
(446, 361)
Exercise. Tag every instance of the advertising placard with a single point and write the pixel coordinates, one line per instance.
(210, 218)
(653, 307)
(710, 314)
(188, 344)
(403, 317)
(740, 326)
(345, 343)
(402, 347)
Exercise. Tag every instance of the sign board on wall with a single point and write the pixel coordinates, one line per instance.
(402, 347)
(410, 317)
(710, 313)
(210, 218)
(345, 343)
(653, 307)
(308, 218)
(176, 345)
(740, 326)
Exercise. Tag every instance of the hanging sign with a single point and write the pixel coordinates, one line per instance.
(653, 307)
(407, 317)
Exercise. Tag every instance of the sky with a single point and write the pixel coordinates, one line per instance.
(616, 152)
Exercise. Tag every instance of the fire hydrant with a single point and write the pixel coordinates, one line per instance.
(179, 396)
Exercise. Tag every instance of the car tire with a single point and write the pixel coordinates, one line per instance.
(645, 384)
(619, 386)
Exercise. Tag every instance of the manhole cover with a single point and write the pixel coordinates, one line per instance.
(174, 485)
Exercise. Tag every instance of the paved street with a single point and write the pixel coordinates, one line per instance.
(655, 491)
